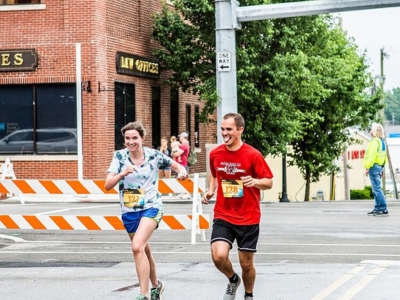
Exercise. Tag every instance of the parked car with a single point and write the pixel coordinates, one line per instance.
(48, 141)
(389, 187)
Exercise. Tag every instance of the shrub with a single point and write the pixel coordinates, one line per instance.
(366, 193)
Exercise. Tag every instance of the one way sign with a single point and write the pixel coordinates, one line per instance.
(223, 61)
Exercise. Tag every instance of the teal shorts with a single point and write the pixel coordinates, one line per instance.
(131, 220)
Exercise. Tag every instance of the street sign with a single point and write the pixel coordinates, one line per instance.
(394, 135)
(224, 61)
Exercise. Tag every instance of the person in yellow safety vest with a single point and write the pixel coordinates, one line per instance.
(374, 163)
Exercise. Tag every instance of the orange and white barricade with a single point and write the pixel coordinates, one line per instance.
(197, 222)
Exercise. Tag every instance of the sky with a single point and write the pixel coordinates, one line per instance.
(374, 30)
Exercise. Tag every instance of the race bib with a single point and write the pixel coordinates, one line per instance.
(232, 188)
(133, 197)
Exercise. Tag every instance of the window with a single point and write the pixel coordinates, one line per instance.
(124, 94)
(156, 117)
(188, 126)
(174, 112)
(196, 126)
(10, 2)
(38, 119)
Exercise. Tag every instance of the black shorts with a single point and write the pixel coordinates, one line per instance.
(246, 235)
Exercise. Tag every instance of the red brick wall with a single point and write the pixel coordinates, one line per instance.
(102, 28)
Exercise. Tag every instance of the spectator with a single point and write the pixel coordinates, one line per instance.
(175, 148)
(374, 164)
(164, 172)
(184, 150)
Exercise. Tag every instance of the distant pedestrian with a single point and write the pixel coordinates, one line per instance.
(184, 150)
(164, 172)
(238, 173)
(175, 148)
(374, 164)
(135, 170)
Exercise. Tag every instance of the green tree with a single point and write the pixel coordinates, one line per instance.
(300, 80)
(392, 106)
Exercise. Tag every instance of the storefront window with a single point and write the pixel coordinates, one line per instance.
(38, 119)
(10, 2)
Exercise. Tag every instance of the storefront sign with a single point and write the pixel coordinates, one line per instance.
(356, 154)
(133, 65)
(18, 60)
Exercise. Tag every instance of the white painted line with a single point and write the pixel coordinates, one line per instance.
(178, 250)
(194, 252)
(52, 212)
(330, 245)
(48, 260)
(382, 262)
(208, 243)
(362, 283)
(340, 281)
(13, 238)
(72, 208)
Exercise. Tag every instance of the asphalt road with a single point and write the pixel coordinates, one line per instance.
(311, 250)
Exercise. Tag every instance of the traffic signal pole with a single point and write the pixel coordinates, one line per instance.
(229, 15)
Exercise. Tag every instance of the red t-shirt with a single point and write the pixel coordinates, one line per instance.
(184, 156)
(231, 165)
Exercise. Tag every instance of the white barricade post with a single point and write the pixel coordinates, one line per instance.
(196, 211)
(7, 172)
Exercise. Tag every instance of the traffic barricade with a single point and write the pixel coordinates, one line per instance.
(196, 222)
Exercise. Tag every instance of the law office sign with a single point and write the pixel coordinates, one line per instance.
(133, 65)
(18, 60)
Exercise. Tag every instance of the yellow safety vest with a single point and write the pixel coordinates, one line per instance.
(376, 153)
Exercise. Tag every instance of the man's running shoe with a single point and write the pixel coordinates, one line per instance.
(230, 293)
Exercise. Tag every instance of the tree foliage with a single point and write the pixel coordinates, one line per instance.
(301, 81)
(392, 106)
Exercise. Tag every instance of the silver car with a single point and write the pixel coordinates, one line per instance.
(48, 141)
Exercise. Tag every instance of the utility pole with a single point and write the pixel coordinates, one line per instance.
(382, 112)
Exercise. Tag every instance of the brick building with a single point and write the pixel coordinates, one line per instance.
(41, 47)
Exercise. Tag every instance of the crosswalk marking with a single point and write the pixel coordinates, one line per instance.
(335, 285)
(361, 284)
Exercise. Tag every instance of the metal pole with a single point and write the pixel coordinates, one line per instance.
(284, 197)
(79, 110)
(226, 24)
(347, 195)
(308, 8)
